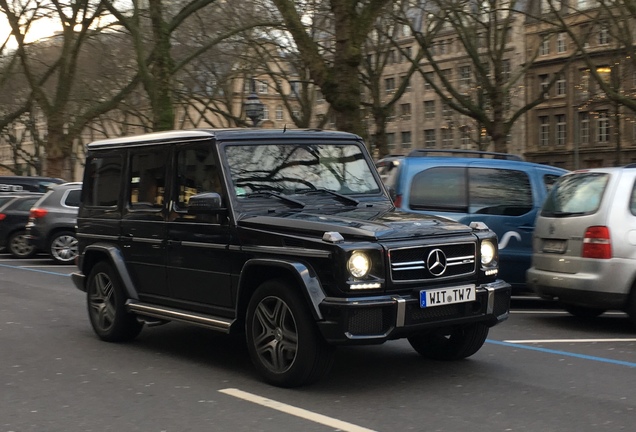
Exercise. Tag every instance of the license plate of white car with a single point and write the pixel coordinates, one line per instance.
(445, 296)
(553, 246)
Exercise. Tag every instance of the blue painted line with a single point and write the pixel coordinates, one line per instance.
(35, 270)
(563, 353)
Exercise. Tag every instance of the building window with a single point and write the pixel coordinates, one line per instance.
(505, 70)
(447, 111)
(279, 112)
(561, 86)
(560, 129)
(389, 85)
(544, 82)
(429, 138)
(603, 36)
(428, 79)
(544, 131)
(405, 111)
(390, 141)
(447, 138)
(429, 109)
(584, 128)
(265, 112)
(602, 127)
(465, 76)
(262, 86)
(544, 49)
(406, 140)
(584, 86)
(465, 138)
(561, 42)
(391, 57)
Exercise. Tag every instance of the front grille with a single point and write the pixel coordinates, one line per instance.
(410, 264)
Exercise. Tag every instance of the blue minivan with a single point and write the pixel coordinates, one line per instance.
(499, 189)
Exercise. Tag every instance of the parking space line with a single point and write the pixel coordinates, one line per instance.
(292, 410)
(563, 353)
(35, 270)
(538, 341)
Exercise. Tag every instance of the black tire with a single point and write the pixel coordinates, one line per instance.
(583, 311)
(455, 344)
(630, 308)
(63, 247)
(19, 246)
(106, 303)
(282, 338)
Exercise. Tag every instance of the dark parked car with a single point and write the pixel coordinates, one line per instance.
(51, 225)
(27, 183)
(287, 236)
(499, 189)
(14, 214)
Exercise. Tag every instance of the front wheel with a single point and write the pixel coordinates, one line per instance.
(63, 247)
(107, 306)
(282, 338)
(453, 344)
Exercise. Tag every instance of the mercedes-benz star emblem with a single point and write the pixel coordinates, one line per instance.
(436, 262)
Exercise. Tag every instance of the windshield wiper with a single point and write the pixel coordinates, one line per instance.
(338, 195)
(277, 195)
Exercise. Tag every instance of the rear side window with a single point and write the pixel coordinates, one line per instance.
(499, 192)
(574, 195)
(473, 190)
(102, 181)
(73, 198)
(442, 189)
(147, 179)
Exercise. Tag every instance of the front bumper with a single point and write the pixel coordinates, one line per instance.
(370, 320)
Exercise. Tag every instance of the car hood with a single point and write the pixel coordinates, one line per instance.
(360, 223)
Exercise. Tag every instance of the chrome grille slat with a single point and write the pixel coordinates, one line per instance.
(409, 264)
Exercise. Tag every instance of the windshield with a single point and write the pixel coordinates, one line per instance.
(576, 194)
(290, 169)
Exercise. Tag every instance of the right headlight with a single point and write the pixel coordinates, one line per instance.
(488, 252)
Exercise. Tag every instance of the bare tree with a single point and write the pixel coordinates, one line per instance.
(332, 49)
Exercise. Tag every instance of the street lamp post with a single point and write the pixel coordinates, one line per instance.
(254, 108)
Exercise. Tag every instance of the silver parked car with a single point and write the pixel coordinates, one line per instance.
(52, 220)
(584, 246)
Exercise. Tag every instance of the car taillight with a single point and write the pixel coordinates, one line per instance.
(596, 243)
(2, 216)
(397, 201)
(36, 213)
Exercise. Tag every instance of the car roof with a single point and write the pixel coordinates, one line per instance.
(220, 134)
(460, 160)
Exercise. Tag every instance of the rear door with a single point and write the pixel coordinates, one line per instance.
(143, 224)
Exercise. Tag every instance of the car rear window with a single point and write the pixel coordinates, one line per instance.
(576, 195)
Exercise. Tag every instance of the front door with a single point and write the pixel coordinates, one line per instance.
(199, 264)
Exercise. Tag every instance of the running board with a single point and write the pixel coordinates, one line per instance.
(161, 312)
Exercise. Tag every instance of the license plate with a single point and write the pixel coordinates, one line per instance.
(553, 246)
(445, 296)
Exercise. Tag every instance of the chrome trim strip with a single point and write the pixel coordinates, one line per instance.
(146, 240)
(401, 311)
(204, 245)
(281, 250)
(220, 324)
(97, 236)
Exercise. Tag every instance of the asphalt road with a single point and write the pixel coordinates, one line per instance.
(541, 370)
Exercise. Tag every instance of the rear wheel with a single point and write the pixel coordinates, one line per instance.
(282, 338)
(631, 306)
(19, 246)
(583, 311)
(107, 306)
(453, 344)
(63, 247)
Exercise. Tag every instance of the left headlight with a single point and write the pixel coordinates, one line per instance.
(488, 252)
(359, 264)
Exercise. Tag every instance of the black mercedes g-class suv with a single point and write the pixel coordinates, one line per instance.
(286, 235)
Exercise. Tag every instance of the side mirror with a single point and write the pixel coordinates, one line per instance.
(205, 203)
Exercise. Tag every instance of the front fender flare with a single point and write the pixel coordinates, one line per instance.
(304, 275)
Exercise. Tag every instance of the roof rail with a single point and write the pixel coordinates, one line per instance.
(464, 153)
(631, 165)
